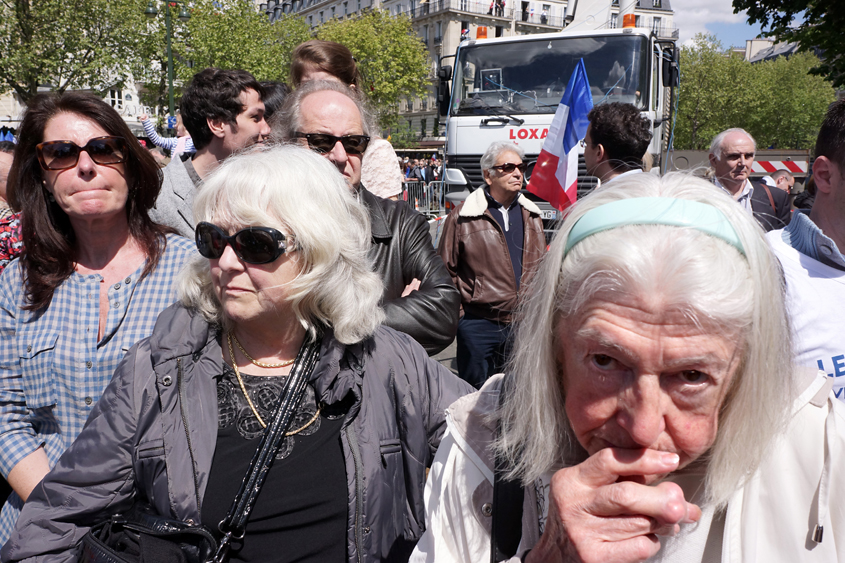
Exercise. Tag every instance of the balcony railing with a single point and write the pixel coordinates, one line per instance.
(481, 7)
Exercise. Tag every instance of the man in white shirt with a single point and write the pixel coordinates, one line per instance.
(731, 156)
(616, 140)
(810, 251)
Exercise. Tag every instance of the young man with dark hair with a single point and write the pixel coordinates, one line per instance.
(223, 110)
(810, 251)
(616, 140)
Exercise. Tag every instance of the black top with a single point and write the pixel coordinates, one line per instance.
(301, 513)
(514, 231)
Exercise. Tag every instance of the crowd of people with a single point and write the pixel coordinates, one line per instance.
(241, 342)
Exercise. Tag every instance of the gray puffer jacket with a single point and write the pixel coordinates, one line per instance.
(154, 431)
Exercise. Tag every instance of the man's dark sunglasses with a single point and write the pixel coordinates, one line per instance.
(253, 245)
(323, 142)
(510, 167)
(61, 155)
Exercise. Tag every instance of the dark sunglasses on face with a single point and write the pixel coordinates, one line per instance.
(323, 142)
(510, 167)
(61, 155)
(253, 245)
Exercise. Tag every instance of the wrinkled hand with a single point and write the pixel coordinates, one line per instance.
(414, 285)
(594, 517)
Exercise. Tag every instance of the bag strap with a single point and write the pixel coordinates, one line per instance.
(234, 525)
(508, 496)
(771, 199)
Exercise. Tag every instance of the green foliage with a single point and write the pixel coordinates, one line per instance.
(776, 101)
(66, 45)
(233, 34)
(402, 136)
(819, 26)
(390, 55)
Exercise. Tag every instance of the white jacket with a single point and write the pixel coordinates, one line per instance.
(770, 519)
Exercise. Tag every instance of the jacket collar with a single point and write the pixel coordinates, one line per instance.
(182, 332)
(378, 222)
(476, 204)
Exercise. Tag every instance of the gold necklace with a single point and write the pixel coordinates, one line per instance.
(256, 362)
(249, 401)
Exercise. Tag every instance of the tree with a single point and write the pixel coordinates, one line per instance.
(777, 101)
(390, 55)
(821, 28)
(66, 45)
(233, 34)
(225, 34)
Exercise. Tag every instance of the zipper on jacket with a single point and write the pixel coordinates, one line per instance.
(352, 438)
(180, 381)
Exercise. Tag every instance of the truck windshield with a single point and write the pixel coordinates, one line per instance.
(530, 76)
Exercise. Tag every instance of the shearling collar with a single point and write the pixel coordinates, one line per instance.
(476, 204)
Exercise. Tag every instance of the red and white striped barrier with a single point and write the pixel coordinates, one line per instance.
(769, 166)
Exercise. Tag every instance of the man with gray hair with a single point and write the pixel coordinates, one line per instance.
(731, 156)
(491, 244)
(419, 297)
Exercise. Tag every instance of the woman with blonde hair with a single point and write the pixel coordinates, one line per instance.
(284, 275)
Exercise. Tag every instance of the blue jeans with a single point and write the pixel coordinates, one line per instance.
(483, 348)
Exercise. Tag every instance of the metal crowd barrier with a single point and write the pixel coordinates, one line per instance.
(427, 198)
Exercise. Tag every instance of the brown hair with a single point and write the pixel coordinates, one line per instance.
(327, 56)
(48, 256)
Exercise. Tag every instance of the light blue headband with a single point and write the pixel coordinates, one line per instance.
(654, 211)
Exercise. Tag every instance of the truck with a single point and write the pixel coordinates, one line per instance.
(508, 89)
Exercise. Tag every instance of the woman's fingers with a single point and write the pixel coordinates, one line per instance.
(608, 465)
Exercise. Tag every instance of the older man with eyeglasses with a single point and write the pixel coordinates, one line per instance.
(419, 297)
(491, 244)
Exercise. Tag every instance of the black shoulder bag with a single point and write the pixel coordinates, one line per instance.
(508, 495)
(142, 537)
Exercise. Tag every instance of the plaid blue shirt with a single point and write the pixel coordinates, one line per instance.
(53, 370)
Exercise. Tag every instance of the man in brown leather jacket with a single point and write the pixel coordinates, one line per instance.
(491, 244)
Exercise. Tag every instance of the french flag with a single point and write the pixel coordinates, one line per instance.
(555, 176)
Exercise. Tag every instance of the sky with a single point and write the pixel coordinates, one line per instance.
(715, 17)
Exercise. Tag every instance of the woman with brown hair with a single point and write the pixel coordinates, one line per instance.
(94, 275)
(327, 60)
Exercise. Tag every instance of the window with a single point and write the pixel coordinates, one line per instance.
(116, 99)
(614, 21)
(332, 11)
(499, 30)
(438, 33)
(322, 19)
(359, 5)
(409, 105)
(413, 8)
(422, 127)
(424, 104)
(346, 8)
(545, 13)
(656, 3)
(311, 21)
(655, 25)
(637, 21)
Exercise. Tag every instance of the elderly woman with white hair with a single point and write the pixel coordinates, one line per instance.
(651, 410)
(282, 299)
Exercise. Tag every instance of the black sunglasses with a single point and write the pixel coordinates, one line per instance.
(323, 142)
(510, 167)
(61, 155)
(253, 245)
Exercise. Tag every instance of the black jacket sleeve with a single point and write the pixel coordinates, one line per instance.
(402, 251)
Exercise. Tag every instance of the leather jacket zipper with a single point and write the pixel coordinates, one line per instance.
(352, 438)
(180, 381)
